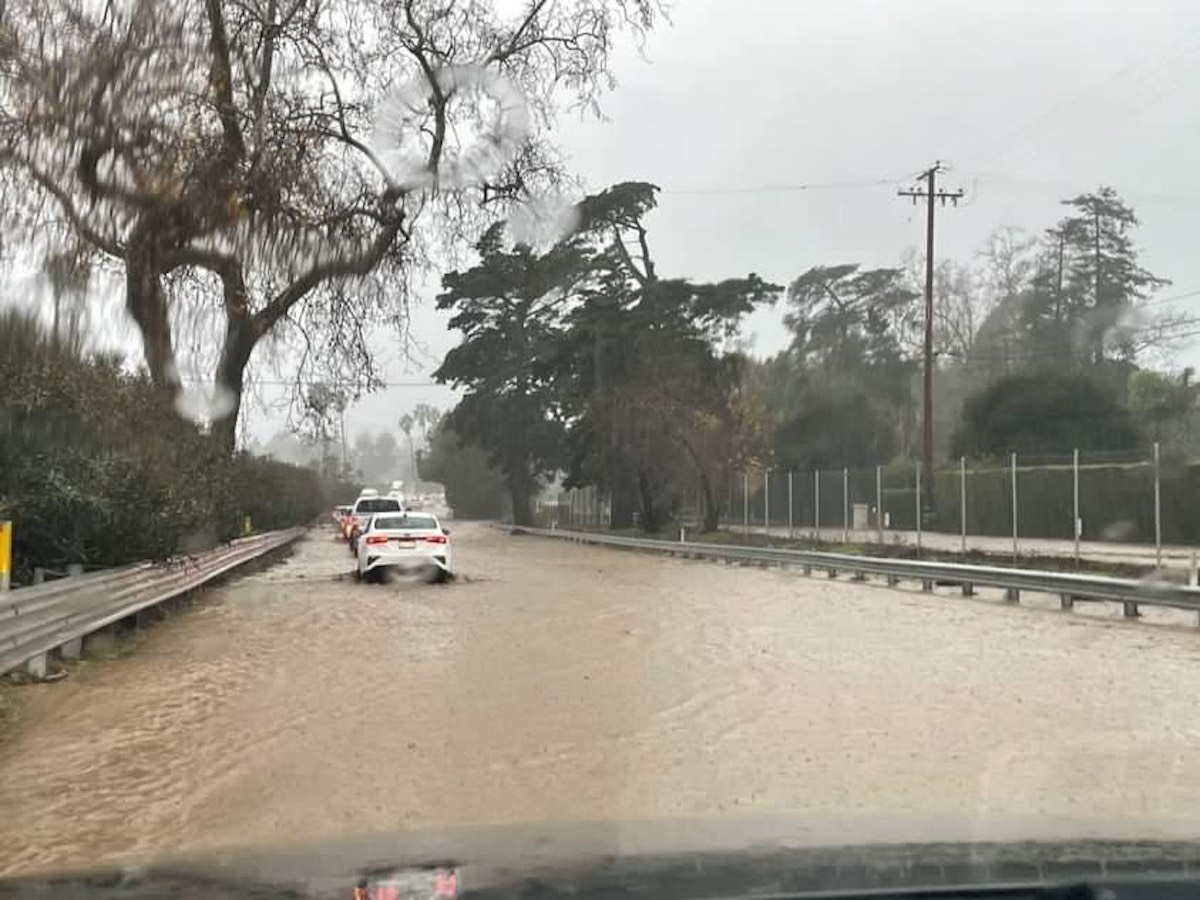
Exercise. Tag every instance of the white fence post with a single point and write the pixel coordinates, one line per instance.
(791, 521)
(766, 501)
(746, 502)
(879, 501)
(919, 508)
(817, 504)
(1157, 506)
(962, 500)
(1076, 522)
(1016, 548)
(845, 505)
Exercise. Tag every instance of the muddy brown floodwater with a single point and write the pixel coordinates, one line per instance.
(558, 682)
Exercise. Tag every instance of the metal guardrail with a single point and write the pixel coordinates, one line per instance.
(1069, 586)
(35, 620)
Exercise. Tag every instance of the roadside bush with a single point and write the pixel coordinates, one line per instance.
(97, 468)
(1116, 502)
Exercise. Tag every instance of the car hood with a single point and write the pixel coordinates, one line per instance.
(726, 857)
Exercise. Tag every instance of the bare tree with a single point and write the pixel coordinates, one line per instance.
(1009, 262)
(245, 158)
(960, 306)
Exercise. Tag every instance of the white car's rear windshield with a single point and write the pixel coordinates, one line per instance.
(377, 505)
(405, 523)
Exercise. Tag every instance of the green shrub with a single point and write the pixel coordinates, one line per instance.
(96, 467)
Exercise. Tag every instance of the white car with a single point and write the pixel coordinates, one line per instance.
(408, 542)
(367, 505)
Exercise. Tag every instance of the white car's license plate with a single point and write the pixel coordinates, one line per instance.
(406, 545)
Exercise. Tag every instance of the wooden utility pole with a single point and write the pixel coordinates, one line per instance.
(932, 196)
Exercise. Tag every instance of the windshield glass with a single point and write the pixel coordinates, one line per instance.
(378, 505)
(808, 390)
(397, 523)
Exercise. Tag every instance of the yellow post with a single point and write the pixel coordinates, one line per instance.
(5, 555)
(246, 529)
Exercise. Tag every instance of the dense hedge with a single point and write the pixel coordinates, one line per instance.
(96, 467)
(1116, 502)
(1116, 499)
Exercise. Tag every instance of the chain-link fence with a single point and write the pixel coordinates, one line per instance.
(1021, 502)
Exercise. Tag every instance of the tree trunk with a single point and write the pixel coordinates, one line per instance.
(624, 503)
(522, 502)
(147, 305)
(650, 523)
(712, 507)
(230, 381)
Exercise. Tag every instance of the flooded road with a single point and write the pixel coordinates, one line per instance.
(556, 682)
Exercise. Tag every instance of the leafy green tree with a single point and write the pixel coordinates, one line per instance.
(844, 321)
(1044, 413)
(1090, 282)
(1162, 401)
(652, 397)
(831, 422)
(509, 308)
(475, 489)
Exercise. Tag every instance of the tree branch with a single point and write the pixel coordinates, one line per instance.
(110, 246)
(514, 45)
(362, 264)
(220, 79)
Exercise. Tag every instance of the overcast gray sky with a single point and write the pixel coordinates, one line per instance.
(737, 106)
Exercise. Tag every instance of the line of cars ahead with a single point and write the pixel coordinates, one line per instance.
(387, 537)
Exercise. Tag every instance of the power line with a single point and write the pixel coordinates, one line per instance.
(1170, 299)
(1183, 201)
(309, 382)
(786, 188)
(1156, 55)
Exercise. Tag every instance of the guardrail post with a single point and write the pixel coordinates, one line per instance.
(1066, 601)
(37, 667)
(72, 649)
(968, 589)
(1012, 595)
(100, 643)
(1130, 609)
